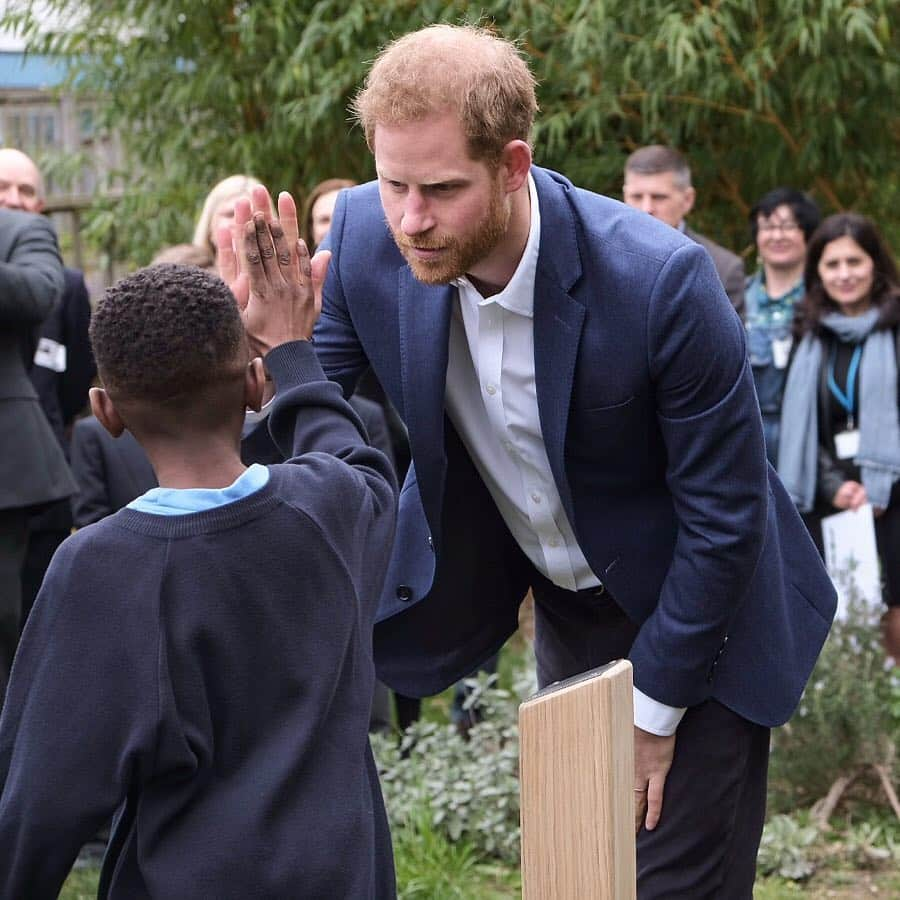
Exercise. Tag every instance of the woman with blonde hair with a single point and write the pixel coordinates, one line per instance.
(218, 208)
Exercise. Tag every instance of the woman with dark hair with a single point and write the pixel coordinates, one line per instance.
(781, 222)
(840, 427)
(316, 218)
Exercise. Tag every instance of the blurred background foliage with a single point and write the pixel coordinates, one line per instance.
(757, 94)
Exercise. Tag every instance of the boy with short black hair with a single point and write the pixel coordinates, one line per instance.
(201, 660)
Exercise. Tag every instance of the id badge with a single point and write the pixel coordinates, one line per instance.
(846, 444)
(781, 351)
(50, 355)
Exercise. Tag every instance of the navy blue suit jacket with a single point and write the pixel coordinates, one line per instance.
(654, 437)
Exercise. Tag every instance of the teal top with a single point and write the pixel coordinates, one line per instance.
(765, 311)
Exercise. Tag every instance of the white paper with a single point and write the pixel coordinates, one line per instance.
(851, 557)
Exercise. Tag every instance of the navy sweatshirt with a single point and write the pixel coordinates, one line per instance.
(210, 675)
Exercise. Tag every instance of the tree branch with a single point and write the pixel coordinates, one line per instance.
(885, 778)
(823, 809)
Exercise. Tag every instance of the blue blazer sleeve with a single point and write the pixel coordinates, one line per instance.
(716, 473)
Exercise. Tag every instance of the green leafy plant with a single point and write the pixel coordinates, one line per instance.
(872, 844)
(757, 92)
(785, 848)
(468, 789)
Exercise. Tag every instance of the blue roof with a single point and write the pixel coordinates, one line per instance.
(18, 70)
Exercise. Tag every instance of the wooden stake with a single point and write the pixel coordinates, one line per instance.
(577, 778)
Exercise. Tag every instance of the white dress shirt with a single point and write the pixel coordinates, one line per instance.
(492, 401)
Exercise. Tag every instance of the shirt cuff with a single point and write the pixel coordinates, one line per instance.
(655, 717)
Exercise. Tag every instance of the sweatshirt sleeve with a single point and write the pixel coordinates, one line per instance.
(350, 488)
(310, 414)
(79, 724)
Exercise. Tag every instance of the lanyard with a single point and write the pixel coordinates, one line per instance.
(846, 400)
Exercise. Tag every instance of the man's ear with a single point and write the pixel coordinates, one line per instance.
(254, 384)
(105, 411)
(515, 164)
(690, 195)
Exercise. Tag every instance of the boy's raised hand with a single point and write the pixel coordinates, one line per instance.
(277, 286)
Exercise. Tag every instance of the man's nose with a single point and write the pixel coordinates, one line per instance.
(648, 206)
(417, 217)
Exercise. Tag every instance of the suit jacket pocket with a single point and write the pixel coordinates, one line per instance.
(611, 414)
(615, 435)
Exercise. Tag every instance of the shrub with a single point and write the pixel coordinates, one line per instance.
(785, 848)
(461, 789)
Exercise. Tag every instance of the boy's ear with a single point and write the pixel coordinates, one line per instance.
(254, 384)
(105, 411)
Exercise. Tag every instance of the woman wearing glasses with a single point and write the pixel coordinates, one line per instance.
(781, 222)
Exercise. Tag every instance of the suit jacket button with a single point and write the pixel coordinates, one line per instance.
(404, 593)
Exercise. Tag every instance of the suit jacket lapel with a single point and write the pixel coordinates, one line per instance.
(558, 322)
(424, 338)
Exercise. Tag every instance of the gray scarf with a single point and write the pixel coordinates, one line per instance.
(879, 439)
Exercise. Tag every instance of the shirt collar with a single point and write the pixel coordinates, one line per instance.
(180, 501)
(518, 295)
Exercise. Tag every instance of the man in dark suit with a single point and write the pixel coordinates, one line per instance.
(582, 421)
(33, 469)
(658, 181)
(62, 372)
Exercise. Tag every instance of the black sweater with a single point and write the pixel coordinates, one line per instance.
(214, 672)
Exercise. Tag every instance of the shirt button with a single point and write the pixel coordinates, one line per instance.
(536, 496)
(491, 389)
(554, 542)
(507, 446)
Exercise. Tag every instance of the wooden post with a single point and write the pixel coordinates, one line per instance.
(576, 774)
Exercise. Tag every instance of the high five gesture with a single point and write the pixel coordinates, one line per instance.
(277, 286)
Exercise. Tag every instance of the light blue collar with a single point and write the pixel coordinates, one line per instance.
(161, 501)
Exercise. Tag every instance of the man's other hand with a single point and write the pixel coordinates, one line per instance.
(652, 761)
